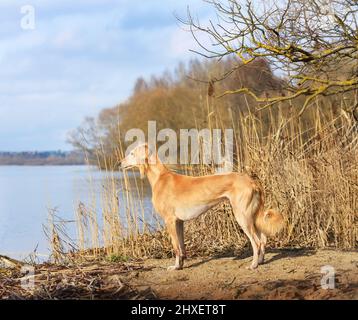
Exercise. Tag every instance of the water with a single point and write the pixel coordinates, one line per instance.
(27, 193)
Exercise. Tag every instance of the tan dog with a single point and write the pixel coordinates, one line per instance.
(178, 198)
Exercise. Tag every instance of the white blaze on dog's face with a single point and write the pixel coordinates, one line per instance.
(137, 157)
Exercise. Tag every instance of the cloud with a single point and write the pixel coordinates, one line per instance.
(81, 57)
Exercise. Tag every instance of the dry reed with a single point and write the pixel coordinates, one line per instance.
(309, 173)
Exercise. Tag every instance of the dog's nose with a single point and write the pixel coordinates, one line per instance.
(123, 163)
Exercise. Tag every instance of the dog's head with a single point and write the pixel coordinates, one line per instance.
(137, 157)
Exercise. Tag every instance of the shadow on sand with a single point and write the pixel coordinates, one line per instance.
(247, 253)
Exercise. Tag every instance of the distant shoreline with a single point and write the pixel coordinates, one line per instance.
(42, 164)
(42, 158)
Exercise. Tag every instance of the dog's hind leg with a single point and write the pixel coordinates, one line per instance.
(249, 229)
(175, 228)
(247, 224)
(263, 241)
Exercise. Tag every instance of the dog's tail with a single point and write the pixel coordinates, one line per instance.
(268, 222)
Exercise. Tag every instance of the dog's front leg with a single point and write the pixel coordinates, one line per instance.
(176, 231)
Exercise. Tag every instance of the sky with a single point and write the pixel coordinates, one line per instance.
(61, 61)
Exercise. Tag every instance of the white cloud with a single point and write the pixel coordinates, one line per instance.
(82, 56)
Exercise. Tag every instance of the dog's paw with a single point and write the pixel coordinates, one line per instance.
(172, 268)
(252, 267)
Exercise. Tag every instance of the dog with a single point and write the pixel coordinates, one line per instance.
(179, 198)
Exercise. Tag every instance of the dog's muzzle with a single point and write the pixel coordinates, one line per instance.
(123, 164)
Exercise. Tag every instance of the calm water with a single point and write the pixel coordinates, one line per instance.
(26, 194)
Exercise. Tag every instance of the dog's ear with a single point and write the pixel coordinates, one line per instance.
(143, 168)
(150, 155)
(148, 151)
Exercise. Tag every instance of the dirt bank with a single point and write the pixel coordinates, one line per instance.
(287, 274)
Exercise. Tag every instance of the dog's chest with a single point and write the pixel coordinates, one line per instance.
(192, 212)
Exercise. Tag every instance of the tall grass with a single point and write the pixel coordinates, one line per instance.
(309, 173)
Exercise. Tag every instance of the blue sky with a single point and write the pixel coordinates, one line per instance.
(82, 56)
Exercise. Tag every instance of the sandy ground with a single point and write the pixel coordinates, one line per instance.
(286, 274)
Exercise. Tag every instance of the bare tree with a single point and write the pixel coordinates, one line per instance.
(312, 44)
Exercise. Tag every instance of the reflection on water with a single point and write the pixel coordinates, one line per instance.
(26, 194)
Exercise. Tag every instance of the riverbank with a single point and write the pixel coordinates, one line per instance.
(287, 274)
(42, 158)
